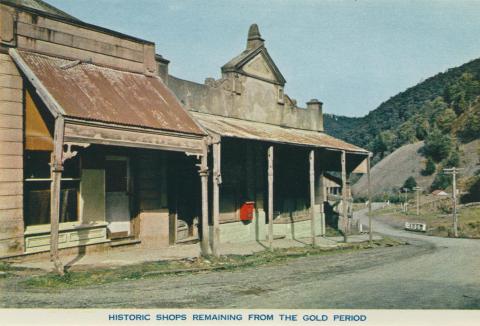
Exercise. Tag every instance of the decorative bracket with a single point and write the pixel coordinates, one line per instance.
(68, 153)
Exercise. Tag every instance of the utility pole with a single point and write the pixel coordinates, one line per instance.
(405, 190)
(453, 171)
(417, 189)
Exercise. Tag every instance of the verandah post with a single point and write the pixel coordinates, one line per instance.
(217, 180)
(312, 195)
(56, 168)
(344, 196)
(204, 183)
(369, 201)
(270, 196)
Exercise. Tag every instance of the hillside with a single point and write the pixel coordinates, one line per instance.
(389, 174)
(411, 115)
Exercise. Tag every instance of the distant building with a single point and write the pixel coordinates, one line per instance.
(439, 192)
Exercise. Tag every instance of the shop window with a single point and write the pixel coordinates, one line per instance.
(37, 189)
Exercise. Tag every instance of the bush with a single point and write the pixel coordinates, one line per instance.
(410, 183)
(437, 145)
(453, 159)
(441, 181)
(473, 188)
(430, 167)
(471, 128)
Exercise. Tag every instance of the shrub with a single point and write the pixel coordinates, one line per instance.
(441, 181)
(438, 146)
(410, 183)
(430, 167)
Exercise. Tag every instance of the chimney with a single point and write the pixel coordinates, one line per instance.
(254, 37)
(316, 109)
(162, 67)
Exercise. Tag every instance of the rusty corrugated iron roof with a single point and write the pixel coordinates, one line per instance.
(96, 93)
(237, 128)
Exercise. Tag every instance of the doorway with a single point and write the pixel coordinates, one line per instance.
(117, 196)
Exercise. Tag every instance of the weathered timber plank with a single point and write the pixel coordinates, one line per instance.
(11, 121)
(11, 175)
(11, 108)
(11, 202)
(11, 95)
(11, 161)
(11, 229)
(11, 148)
(7, 134)
(79, 42)
(7, 67)
(80, 31)
(65, 51)
(11, 188)
(11, 81)
(12, 246)
(11, 214)
(130, 138)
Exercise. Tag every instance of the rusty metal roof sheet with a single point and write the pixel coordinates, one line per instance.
(237, 128)
(96, 93)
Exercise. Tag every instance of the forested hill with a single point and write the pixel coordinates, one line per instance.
(432, 105)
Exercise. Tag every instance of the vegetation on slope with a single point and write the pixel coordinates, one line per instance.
(443, 111)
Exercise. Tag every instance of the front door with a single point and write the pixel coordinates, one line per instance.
(117, 196)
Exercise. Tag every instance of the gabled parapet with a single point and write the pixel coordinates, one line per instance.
(251, 88)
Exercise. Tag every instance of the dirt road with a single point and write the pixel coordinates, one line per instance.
(428, 273)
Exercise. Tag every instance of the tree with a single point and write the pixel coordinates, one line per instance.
(406, 134)
(445, 120)
(410, 183)
(421, 127)
(437, 145)
(470, 129)
(430, 167)
(383, 142)
(462, 92)
(441, 181)
(453, 159)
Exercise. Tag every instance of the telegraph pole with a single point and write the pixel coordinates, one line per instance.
(406, 199)
(417, 189)
(454, 171)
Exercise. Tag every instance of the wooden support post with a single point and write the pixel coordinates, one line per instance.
(312, 196)
(344, 195)
(56, 168)
(370, 236)
(323, 199)
(270, 196)
(204, 182)
(217, 180)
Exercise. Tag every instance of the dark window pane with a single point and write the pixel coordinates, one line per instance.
(37, 165)
(116, 176)
(37, 202)
(71, 168)
(69, 201)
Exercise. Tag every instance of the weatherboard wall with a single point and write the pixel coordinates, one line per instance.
(71, 39)
(11, 158)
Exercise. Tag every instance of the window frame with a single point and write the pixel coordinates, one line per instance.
(31, 180)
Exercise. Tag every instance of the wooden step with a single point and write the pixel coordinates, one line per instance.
(129, 241)
(189, 240)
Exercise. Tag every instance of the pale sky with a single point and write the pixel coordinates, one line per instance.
(351, 55)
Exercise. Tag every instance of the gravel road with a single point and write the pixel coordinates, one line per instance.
(428, 273)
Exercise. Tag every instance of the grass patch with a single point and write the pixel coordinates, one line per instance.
(439, 223)
(186, 266)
